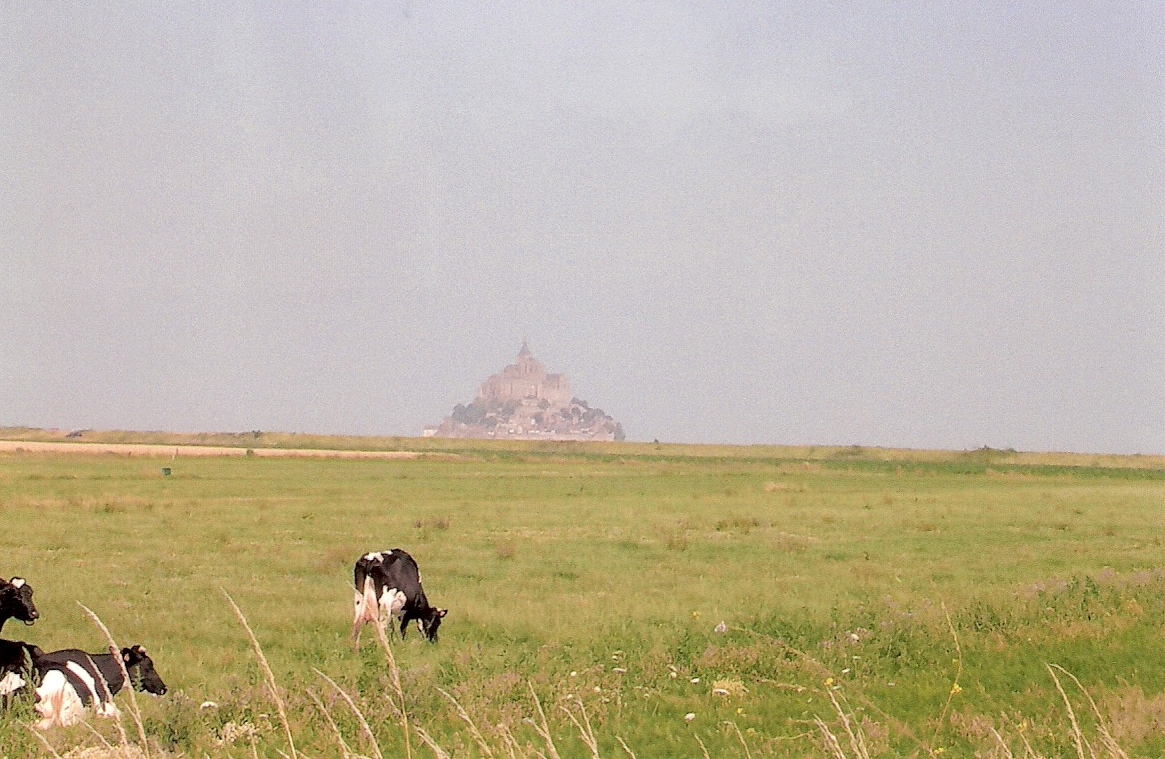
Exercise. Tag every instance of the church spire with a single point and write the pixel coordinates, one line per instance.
(525, 348)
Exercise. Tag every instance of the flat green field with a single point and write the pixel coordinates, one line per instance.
(925, 593)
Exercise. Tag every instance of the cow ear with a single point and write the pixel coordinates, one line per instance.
(442, 612)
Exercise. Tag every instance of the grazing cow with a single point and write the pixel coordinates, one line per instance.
(16, 601)
(388, 584)
(16, 667)
(71, 679)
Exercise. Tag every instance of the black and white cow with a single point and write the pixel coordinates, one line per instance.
(388, 584)
(16, 601)
(71, 680)
(16, 667)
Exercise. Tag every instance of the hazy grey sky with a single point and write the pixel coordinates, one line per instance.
(894, 224)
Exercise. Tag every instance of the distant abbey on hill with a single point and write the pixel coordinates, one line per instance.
(524, 402)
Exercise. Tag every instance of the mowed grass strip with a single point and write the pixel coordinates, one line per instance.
(602, 577)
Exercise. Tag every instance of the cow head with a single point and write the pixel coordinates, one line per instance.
(16, 600)
(141, 670)
(431, 621)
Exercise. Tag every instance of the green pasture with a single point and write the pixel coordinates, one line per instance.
(927, 593)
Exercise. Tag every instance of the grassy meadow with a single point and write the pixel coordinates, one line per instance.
(902, 603)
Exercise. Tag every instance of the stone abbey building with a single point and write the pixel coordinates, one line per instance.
(525, 402)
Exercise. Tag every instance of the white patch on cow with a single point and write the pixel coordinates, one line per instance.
(85, 677)
(11, 683)
(372, 556)
(391, 602)
(56, 701)
(18, 582)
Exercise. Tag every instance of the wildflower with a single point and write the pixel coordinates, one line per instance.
(828, 681)
(939, 750)
(689, 716)
(956, 689)
(720, 628)
(695, 615)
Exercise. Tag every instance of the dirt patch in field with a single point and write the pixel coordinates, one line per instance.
(183, 451)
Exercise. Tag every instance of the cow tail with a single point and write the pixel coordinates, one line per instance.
(365, 601)
(369, 600)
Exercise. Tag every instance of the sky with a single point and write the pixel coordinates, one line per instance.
(896, 224)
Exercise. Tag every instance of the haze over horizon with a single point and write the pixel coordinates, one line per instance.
(800, 223)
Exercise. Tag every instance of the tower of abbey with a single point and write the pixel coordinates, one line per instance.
(525, 402)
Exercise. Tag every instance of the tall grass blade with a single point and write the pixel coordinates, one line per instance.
(703, 748)
(355, 710)
(740, 735)
(44, 741)
(955, 687)
(1002, 744)
(832, 744)
(332, 724)
(427, 739)
(508, 740)
(857, 737)
(394, 673)
(1106, 738)
(1077, 735)
(584, 728)
(134, 711)
(473, 731)
(543, 730)
(272, 686)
